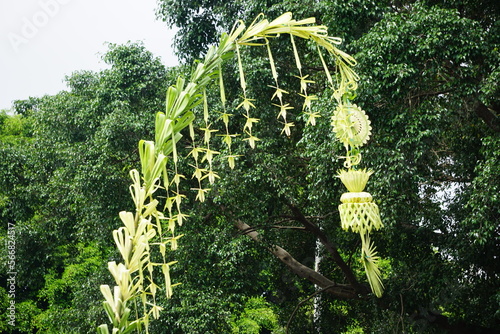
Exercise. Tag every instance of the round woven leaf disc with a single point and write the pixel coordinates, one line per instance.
(351, 125)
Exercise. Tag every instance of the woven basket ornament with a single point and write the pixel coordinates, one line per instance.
(357, 210)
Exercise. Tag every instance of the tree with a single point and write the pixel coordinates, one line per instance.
(60, 174)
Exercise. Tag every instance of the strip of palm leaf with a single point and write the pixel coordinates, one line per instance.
(370, 261)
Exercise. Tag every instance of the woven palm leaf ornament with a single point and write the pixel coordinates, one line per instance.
(132, 303)
(357, 211)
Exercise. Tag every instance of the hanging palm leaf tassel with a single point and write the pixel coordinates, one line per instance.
(370, 261)
(361, 215)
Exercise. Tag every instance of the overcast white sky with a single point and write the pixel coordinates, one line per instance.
(41, 41)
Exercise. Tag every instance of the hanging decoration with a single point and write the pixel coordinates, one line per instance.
(357, 211)
(131, 303)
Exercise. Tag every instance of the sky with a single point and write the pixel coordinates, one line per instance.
(42, 41)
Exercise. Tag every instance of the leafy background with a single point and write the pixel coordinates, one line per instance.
(429, 83)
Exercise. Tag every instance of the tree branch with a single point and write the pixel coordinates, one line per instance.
(488, 116)
(330, 247)
(279, 227)
(429, 93)
(343, 291)
(302, 302)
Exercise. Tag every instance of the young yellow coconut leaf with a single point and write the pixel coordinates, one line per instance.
(134, 325)
(161, 161)
(163, 249)
(287, 128)
(346, 57)
(118, 298)
(113, 269)
(159, 217)
(155, 311)
(199, 71)
(103, 329)
(150, 235)
(308, 100)
(173, 241)
(191, 131)
(246, 104)
(298, 28)
(222, 91)
(195, 152)
(271, 62)
(175, 157)
(172, 92)
(354, 180)
(198, 173)
(150, 208)
(163, 128)
(231, 160)
(207, 133)
(168, 284)
(169, 145)
(209, 155)
(180, 217)
(255, 27)
(108, 296)
(249, 122)
(183, 96)
(128, 220)
(238, 28)
(283, 110)
(251, 139)
(283, 19)
(182, 122)
(138, 193)
(359, 214)
(139, 254)
(113, 317)
(243, 83)
(228, 139)
(152, 287)
(311, 117)
(200, 196)
(177, 179)
(303, 83)
(181, 103)
(325, 67)
(255, 30)
(147, 156)
(141, 228)
(305, 22)
(225, 118)
(370, 262)
(124, 318)
(278, 93)
(351, 125)
(211, 175)
(297, 58)
(205, 106)
(123, 243)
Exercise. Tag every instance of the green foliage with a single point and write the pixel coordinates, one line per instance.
(256, 316)
(14, 128)
(66, 294)
(426, 68)
(59, 187)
